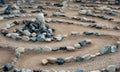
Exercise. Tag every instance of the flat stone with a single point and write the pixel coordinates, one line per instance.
(77, 46)
(111, 68)
(44, 61)
(37, 49)
(96, 71)
(53, 70)
(69, 59)
(52, 60)
(1, 18)
(74, 33)
(25, 38)
(20, 50)
(58, 37)
(88, 33)
(83, 19)
(26, 70)
(16, 70)
(87, 57)
(62, 71)
(105, 50)
(8, 35)
(70, 48)
(47, 49)
(48, 39)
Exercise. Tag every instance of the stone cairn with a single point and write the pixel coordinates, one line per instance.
(36, 30)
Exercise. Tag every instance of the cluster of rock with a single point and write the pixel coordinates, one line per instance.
(33, 31)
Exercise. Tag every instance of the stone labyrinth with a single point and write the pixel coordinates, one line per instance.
(60, 36)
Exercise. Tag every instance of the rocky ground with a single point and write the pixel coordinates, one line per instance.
(32, 60)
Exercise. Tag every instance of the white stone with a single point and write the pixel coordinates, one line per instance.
(52, 59)
(58, 37)
(88, 41)
(87, 57)
(74, 33)
(53, 70)
(70, 48)
(14, 35)
(62, 71)
(20, 49)
(48, 39)
(33, 34)
(93, 56)
(41, 20)
(96, 71)
(1, 18)
(47, 49)
(25, 38)
(77, 46)
(26, 32)
(69, 59)
(8, 35)
(44, 61)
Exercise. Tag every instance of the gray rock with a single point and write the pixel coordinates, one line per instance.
(26, 32)
(27, 70)
(53, 20)
(105, 50)
(52, 60)
(37, 49)
(15, 36)
(16, 70)
(83, 43)
(25, 38)
(69, 59)
(83, 19)
(8, 67)
(47, 49)
(79, 59)
(33, 39)
(79, 70)
(17, 54)
(111, 68)
(113, 48)
(41, 20)
(41, 37)
(87, 57)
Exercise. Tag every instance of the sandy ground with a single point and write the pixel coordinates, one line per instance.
(33, 60)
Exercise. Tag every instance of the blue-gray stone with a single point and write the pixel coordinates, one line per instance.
(4, 32)
(83, 43)
(33, 39)
(3, 1)
(17, 54)
(88, 33)
(79, 59)
(105, 50)
(79, 70)
(17, 70)
(60, 61)
(41, 38)
(8, 67)
(53, 20)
